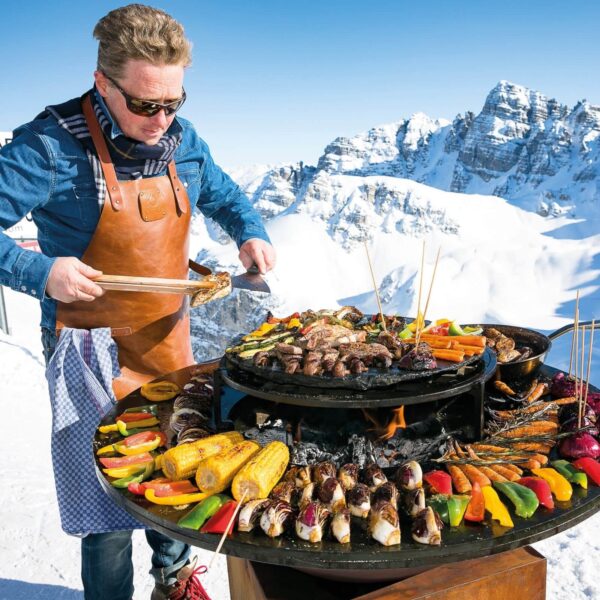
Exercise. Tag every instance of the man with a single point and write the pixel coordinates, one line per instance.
(111, 180)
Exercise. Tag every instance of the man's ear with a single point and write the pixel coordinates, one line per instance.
(101, 83)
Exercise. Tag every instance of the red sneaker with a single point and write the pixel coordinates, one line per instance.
(187, 587)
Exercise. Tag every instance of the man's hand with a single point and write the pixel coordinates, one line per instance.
(71, 280)
(257, 252)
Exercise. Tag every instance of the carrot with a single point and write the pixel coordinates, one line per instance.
(535, 428)
(514, 469)
(503, 387)
(472, 340)
(461, 484)
(538, 392)
(475, 475)
(492, 475)
(510, 475)
(468, 350)
(449, 355)
(533, 447)
(444, 344)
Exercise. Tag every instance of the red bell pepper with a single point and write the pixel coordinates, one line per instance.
(219, 521)
(589, 466)
(143, 437)
(541, 488)
(439, 482)
(476, 509)
(163, 487)
(124, 461)
(133, 416)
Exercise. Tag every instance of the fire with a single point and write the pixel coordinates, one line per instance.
(396, 422)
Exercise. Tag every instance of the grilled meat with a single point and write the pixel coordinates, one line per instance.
(418, 359)
(367, 353)
(359, 500)
(384, 524)
(250, 514)
(330, 356)
(311, 522)
(340, 526)
(340, 369)
(330, 335)
(394, 344)
(312, 363)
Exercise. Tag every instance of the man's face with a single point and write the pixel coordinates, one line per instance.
(144, 81)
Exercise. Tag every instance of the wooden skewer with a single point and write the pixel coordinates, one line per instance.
(418, 329)
(576, 359)
(589, 365)
(375, 287)
(580, 397)
(437, 258)
(156, 281)
(573, 335)
(222, 541)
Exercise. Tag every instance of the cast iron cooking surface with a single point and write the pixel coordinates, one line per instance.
(436, 387)
(467, 541)
(374, 377)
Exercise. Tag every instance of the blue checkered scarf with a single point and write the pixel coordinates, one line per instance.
(131, 159)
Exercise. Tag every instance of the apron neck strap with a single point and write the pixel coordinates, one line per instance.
(178, 190)
(108, 169)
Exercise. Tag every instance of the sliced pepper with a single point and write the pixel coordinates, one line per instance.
(127, 429)
(108, 428)
(146, 408)
(439, 503)
(158, 391)
(439, 482)
(134, 416)
(541, 488)
(127, 471)
(457, 506)
(124, 482)
(219, 522)
(570, 473)
(560, 487)
(139, 448)
(495, 507)
(196, 517)
(294, 323)
(125, 461)
(476, 509)
(524, 499)
(174, 500)
(590, 466)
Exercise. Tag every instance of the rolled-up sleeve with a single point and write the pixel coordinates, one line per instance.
(26, 180)
(222, 200)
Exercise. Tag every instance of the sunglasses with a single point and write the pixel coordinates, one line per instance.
(147, 108)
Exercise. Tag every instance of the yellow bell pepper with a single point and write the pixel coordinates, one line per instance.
(158, 461)
(294, 323)
(158, 391)
(495, 507)
(110, 449)
(559, 485)
(260, 332)
(125, 428)
(418, 322)
(175, 500)
(108, 428)
(147, 447)
(119, 472)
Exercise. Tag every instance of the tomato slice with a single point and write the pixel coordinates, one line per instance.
(124, 461)
(439, 329)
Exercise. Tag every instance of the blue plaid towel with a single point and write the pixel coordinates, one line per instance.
(80, 375)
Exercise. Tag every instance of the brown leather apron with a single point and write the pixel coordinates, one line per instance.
(143, 231)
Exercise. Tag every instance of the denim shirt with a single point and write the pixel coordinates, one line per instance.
(45, 171)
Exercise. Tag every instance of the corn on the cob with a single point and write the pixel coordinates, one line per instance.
(259, 475)
(182, 461)
(215, 473)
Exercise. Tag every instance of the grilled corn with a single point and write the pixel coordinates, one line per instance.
(215, 473)
(182, 461)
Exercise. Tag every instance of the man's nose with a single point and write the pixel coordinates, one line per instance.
(160, 119)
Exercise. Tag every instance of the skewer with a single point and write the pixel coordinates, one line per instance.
(222, 541)
(418, 328)
(580, 397)
(375, 287)
(589, 365)
(437, 258)
(574, 334)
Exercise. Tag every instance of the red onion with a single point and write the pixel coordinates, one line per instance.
(579, 445)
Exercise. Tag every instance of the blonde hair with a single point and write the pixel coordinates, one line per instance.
(140, 32)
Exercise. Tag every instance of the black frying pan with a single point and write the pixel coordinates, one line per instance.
(538, 342)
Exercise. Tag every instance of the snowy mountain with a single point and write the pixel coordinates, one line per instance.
(522, 146)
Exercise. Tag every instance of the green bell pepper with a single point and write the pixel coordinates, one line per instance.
(457, 506)
(439, 503)
(202, 512)
(524, 499)
(570, 473)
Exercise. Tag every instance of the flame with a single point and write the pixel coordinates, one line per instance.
(397, 421)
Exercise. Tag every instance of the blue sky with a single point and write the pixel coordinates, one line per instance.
(277, 81)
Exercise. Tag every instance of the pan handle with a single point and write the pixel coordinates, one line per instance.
(560, 332)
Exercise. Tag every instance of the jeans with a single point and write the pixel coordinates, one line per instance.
(106, 565)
